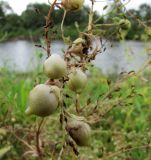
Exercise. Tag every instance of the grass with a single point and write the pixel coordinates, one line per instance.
(122, 133)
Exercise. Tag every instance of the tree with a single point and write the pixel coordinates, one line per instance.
(33, 16)
(145, 11)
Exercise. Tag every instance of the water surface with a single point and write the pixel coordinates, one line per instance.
(21, 55)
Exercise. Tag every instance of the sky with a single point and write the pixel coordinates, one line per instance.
(19, 5)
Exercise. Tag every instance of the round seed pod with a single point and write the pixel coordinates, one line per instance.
(43, 100)
(72, 5)
(77, 80)
(55, 67)
(79, 131)
(125, 24)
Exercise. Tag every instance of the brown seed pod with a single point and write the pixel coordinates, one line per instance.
(79, 131)
(72, 5)
(77, 47)
(43, 100)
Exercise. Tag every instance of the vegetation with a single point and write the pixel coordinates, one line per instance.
(31, 22)
(122, 133)
(66, 108)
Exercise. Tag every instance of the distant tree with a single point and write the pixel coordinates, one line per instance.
(32, 19)
(33, 16)
(4, 8)
(13, 23)
(137, 31)
(145, 11)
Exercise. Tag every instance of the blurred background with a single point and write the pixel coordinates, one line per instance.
(21, 27)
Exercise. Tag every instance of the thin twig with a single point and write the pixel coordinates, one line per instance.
(46, 28)
(61, 152)
(90, 23)
(62, 125)
(38, 147)
(22, 141)
(77, 104)
(62, 23)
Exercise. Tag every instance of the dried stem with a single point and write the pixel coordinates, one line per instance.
(77, 103)
(22, 141)
(38, 147)
(62, 125)
(61, 152)
(62, 23)
(46, 28)
(90, 23)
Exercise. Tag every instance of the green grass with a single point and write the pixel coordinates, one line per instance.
(126, 126)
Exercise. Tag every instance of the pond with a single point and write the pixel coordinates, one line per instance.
(23, 56)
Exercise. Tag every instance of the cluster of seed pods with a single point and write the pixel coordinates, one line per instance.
(44, 99)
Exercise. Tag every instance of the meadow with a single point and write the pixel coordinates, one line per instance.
(75, 95)
(120, 121)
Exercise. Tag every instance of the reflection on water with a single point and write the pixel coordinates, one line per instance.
(21, 55)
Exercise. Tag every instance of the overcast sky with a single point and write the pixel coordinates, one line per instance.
(20, 5)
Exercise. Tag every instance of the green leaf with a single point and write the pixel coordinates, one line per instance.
(4, 150)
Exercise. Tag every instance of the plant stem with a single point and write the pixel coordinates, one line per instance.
(105, 25)
(46, 28)
(90, 23)
(77, 104)
(62, 125)
(61, 152)
(22, 141)
(62, 23)
(38, 147)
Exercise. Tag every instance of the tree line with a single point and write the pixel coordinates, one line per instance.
(31, 22)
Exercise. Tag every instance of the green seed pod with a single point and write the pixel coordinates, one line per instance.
(72, 5)
(125, 24)
(77, 80)
(55, 67)
(43, 100)
(79, 131)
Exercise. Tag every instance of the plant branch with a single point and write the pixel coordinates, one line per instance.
(38, 147)
(22, 141)
(90, 23)
(62, 121)
(62, 23)
(46, 28)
